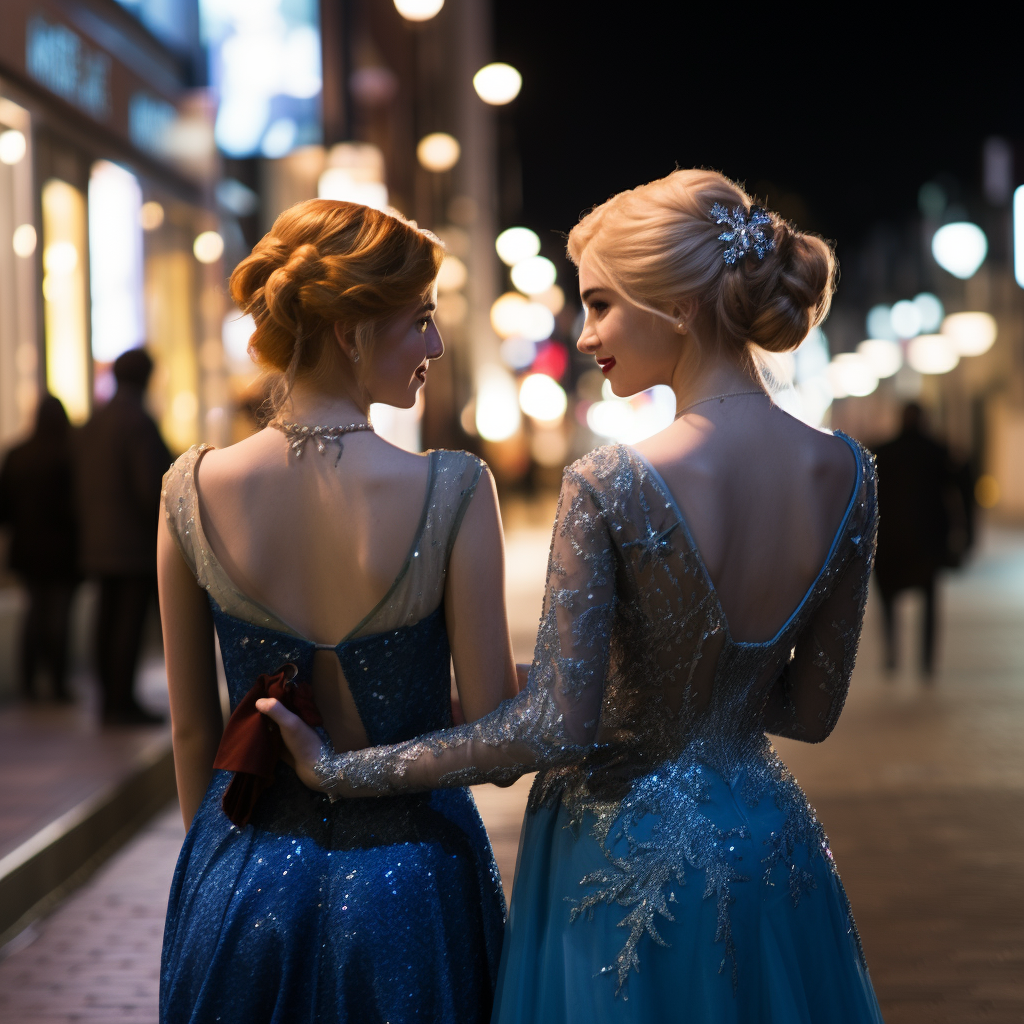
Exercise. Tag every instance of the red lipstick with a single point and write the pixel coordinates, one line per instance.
(606, 364)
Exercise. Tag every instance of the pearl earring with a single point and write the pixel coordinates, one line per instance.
(355, 357)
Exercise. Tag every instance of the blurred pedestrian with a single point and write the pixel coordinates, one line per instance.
(120, 462)
(37, 503)
(919, 504)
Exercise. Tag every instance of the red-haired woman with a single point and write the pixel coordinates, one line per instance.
(342, 575)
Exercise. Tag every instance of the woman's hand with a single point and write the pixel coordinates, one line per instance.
(302, 743)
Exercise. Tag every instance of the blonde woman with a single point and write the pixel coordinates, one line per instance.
(337, 572)
(705, 588)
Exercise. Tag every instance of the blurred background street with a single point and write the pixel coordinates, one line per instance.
(147, 145)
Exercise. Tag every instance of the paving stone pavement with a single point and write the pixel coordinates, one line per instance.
(921, 789)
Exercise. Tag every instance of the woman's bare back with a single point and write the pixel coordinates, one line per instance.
(763, 495)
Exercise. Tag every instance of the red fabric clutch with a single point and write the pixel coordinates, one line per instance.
(252, 744)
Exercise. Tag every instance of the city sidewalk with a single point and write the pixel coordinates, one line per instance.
(921, 789)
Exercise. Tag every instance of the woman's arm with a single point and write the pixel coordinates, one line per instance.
(196, 722)
(474, 605)
(553, 721)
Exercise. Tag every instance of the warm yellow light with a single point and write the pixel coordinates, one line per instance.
(883, 356)
(932, 353)
(553, 298)
(497, 407)
(24, 240)
(972, 334)
(151, 215)
(542, 398)
(12, 146)
(497, 84)
(418, 10)
(438, 151)
(986, 491)
(452, 276)
(64, 297)
(849, 374)
(516, 244)
(514, 316)
(208, 247)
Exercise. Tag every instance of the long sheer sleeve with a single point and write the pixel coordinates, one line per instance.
(554, 720)
(808, 697)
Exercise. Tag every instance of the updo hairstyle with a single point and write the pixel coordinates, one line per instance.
(659, 245)
(326, 262)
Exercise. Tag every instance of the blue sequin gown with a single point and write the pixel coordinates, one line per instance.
(670, 866)
(365, 911)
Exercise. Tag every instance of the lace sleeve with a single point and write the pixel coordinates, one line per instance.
(554, 719)
(809, 695)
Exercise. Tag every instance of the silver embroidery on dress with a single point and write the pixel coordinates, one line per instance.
(637, 690)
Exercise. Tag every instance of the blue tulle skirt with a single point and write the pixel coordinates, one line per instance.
(793, 962)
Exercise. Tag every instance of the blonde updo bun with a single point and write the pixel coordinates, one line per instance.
(326, 262)
(659, 246)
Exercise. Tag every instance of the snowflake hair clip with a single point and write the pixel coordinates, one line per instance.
(745, 233)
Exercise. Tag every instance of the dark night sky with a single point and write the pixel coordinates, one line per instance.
(845, 119)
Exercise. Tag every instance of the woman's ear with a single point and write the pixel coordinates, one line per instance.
(346, 341)
(683, 313)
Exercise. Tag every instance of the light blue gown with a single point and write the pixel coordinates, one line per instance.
(366, 911)
(670, 867)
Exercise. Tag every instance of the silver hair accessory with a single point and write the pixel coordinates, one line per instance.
(744, 232)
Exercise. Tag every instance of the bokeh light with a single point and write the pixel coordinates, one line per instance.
(905, 318)
(516, 244)
(542, 399)
(960, 248)
(883, 356)
(497, 415)
(879, 323)
(24, 240)
(513, 316)
(972, 334)
(452, 275)
(151, 215)
(534, 275)
(850, 375)
(418, 10)
(497, 84)
(208, 247)
(929, 309)
(12, 146)
(932, 353)
(438, 151)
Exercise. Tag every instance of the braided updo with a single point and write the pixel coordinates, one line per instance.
(326, 262)
(659, 245)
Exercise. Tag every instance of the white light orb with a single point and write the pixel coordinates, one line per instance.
(883, 356)
(12, 146)
(971, 333)
(553, 298)
(518, 353)
(929, 309)
(452, 275)
(208, 247)
(236, 330)
(60, 258)
(516, 244)
(542, 398)
(438, 152)
(513, 316)
(905, 319)
(534, 275)
(418, 10)
(343, 185)
(497, 405)
(497, 84)
(850, 375)
(879, 323)
(611, 418)
(932, 353)
(960, 248)
(151, 215)
(24, 240)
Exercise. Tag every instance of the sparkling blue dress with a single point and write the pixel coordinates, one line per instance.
(670, 866)
(363, 911)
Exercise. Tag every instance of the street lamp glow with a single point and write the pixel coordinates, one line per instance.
(882, 355)
(497, 405)
(24, 240)
(932, 353)
(418, 10)
(960, 248)
(972, 334)
(438, 152)
(514, 316)
(542, 398)
(497, 84)
(850, 375)
(208, 247)
(534, 275)
(516, 244)
(905, 319)
(12, 146)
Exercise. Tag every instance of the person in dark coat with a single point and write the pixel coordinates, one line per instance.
(915, 488)
(120, 464)
(37, 503)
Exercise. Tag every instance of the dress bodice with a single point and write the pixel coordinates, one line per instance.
(396, 661)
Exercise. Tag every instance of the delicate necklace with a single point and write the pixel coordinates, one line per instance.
(298, 435)
(721, 398)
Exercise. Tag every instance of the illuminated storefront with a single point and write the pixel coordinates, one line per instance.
(107, 167)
